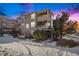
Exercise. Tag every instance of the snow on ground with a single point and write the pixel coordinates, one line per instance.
(16, 47)
(7, 39)
(53, 45)
(72, 37)
(38, 49)
(13, 49)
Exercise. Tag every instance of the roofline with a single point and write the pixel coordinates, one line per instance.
(38, 11)
(34, 12)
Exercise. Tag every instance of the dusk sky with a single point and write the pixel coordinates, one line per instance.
(13, 10)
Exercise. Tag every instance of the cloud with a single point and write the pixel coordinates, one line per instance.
(74, 17)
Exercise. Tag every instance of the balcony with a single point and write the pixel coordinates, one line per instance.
(42, 18)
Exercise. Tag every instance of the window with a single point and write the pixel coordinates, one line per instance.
(32, 24)
(47, 24)
(33, 16)
(27, 25)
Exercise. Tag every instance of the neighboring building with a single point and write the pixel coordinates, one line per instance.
(36, 20)
(12, 24)
(2, 21)
(8, 25)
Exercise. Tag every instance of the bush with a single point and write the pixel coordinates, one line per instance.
(39, 35)
(69, 43)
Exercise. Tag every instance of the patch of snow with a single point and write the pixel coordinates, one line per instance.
(71, 37)
(7, 39)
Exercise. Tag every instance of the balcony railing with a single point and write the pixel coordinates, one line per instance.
(42, 18)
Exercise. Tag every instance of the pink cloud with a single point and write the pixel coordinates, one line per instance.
(74, 17)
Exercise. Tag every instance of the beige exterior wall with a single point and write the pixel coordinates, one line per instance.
(4, 22)
(36, 20)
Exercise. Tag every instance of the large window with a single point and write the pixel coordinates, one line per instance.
(33, 24)
(27, 25)
(33, 16)
(47, 24)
